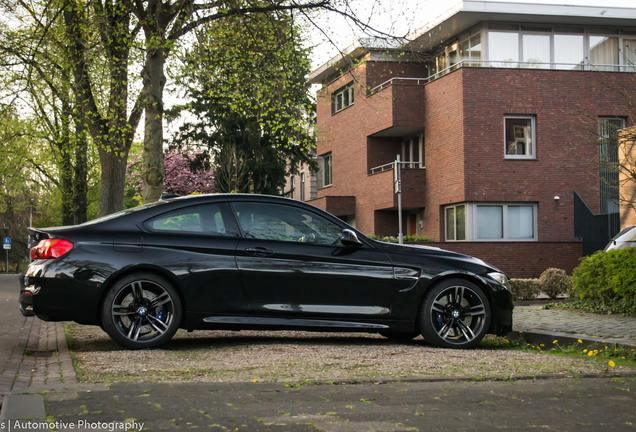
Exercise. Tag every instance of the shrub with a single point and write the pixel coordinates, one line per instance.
(554, 282)
(606, 276)
(408, 238)
(525, 289)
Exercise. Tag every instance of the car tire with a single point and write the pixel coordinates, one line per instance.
(141, 310)
(400, 337)
(455, 313)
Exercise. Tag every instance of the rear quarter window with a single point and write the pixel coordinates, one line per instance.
(205, 219)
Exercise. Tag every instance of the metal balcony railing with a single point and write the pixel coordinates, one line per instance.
(504, 64)
(391, 165)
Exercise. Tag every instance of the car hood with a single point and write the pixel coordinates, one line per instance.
(404, 254)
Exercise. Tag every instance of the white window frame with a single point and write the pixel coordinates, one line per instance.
(338, 98)
(466, 228)
(327, 157)
(292, 186)
(471, 221)
(302, 186)
(533, 128)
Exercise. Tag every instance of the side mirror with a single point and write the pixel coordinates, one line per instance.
(349, 238)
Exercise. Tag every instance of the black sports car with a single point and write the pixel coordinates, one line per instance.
(255, 262)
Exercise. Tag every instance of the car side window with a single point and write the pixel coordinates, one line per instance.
(264, 221)
(205, 219)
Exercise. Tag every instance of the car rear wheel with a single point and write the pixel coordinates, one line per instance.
(455, 314)
(141, 310)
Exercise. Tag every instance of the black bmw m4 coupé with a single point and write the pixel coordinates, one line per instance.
(255, 262)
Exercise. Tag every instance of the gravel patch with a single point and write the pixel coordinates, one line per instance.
(226, 356)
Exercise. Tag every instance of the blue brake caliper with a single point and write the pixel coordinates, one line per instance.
(161, 315)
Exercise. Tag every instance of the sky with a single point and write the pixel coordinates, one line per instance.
(398, 18)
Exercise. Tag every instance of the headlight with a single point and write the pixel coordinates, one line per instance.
(501, 278)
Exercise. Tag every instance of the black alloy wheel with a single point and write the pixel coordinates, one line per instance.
(141, 310)
(455, 314)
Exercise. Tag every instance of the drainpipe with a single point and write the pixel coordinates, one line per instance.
(397, 175)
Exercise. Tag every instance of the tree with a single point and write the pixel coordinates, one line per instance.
(186, 174)
(42, 86)
(246, 81)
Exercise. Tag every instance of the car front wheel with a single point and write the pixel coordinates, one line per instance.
(141, 310)
(455, 314)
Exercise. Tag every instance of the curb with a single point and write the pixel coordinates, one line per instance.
(547, 337)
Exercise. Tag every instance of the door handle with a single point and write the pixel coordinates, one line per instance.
(259, 251)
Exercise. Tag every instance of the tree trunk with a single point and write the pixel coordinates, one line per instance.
(80, 180)
(113, 177)
(66, 167)
(154, 80)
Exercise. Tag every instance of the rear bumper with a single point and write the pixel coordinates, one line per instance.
(57, 298)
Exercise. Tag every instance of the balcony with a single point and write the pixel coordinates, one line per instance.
(381, 181)
(405, 83)
(398, 110)
(336, 205)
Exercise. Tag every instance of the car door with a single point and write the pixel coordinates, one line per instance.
(197, 244)
(292, 263)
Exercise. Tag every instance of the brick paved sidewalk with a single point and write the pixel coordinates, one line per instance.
(40, 357)
(576, 325)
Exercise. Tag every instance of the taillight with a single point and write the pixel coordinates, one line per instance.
(50, 248)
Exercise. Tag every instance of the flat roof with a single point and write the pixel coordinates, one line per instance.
(466, 13)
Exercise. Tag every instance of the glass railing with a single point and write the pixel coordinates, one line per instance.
(505, 64)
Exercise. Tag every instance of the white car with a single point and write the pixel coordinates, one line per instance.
(624, 239)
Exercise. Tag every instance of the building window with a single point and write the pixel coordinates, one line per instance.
(519, 137)
(503, 47)
(629, 55)
(470, 50)
(491, 222)
(343, 98)
(292, 186)
(302, 186)
(413, 151)
(568, 52)
(456, 223)
(326, 170)
(608, 128)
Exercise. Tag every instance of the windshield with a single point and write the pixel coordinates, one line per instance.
(124, 212)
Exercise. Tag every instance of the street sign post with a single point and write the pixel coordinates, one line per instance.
(6, 244)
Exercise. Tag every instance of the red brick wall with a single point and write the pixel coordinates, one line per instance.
(443, 148)
(521, 259)
(566, 106)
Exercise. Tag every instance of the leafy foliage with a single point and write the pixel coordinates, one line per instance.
(525, 289)
(554, 282)
(606, 276)
(185, 174)
(248, 95)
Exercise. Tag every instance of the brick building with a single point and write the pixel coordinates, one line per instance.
(497, 111)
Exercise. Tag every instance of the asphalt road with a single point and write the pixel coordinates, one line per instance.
(11, 320)
(587, 404)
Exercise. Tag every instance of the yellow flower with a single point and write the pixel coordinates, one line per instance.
(555, 341)
(584, 350)
(580, 341)
(590, 354)
(542, 345)
(522, 332)
(611, 363)
(254, 380)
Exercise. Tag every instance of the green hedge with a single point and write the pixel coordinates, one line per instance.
(525, 289)
(408, 238)
(606, 276)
